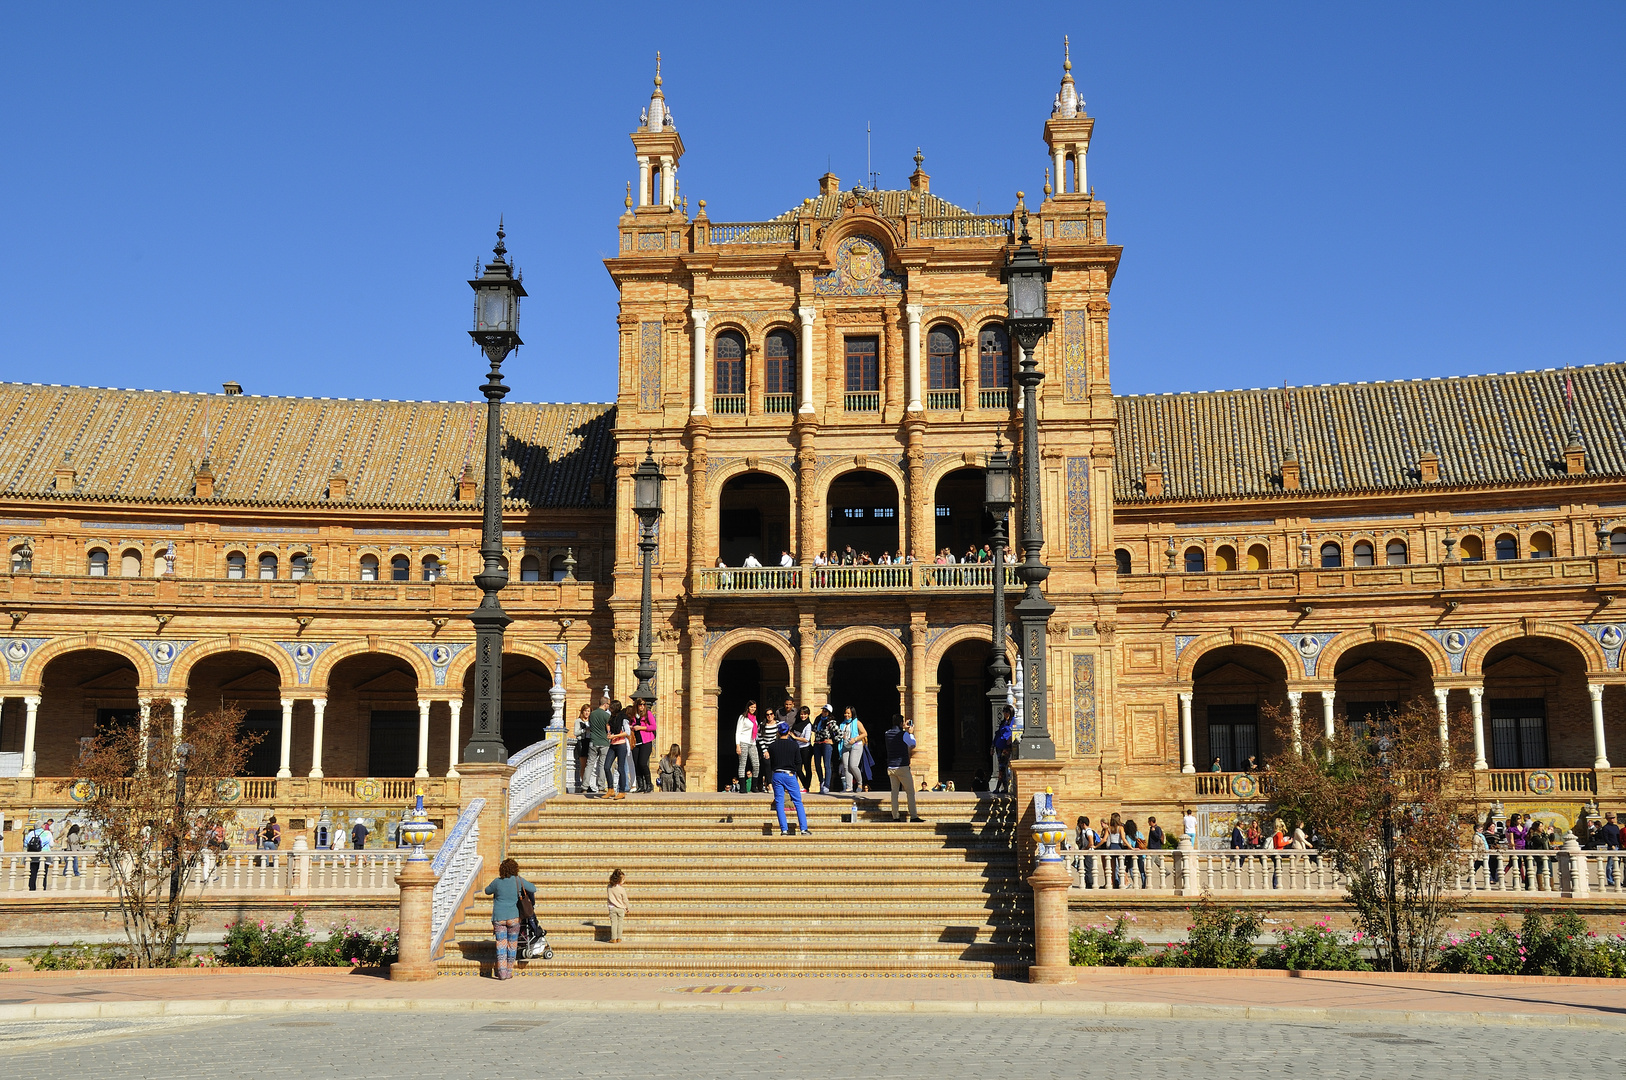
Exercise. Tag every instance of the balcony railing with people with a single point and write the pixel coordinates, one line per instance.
(283, 872)
(895, 577)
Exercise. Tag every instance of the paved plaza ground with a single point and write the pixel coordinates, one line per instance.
(305, 1023)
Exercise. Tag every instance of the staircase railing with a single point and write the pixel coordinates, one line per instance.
(457, 867)
(535, 779)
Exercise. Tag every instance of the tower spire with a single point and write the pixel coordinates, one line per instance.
(659, 117)
(1067, 101)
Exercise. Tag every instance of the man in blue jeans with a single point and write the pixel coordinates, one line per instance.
(784, 758)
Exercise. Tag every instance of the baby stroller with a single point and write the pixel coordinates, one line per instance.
(533, 940)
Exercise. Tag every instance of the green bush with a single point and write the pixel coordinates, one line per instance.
(1560, 945)
(295, 944)
(77, 957)
(1097, 946)
(1315, 948)
(1218, 937)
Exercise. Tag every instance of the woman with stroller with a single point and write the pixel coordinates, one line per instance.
(504, 890)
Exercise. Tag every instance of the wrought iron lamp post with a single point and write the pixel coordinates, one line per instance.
(997, 501)
(646, 503)
(1025, 276)
(496, 331)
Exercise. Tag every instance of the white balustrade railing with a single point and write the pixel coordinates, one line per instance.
(751, 232)
(456, 868)
(751, 579)
(965, 225)
(234, 873)
(1308, 872)
(964, 576)
(535, 779)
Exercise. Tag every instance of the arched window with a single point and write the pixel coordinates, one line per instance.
(369, 568)
(556, 568)
(530, 568)
(98, 563)
(943, 352)
(1332, 555)
(1541, 545)
(1225, 557)
(728, 352)
(1364, 555)
(400, 568)
(268, 566)
(994, 354)
(1507, 547)
(300, 565)
(779, 372)
(236, 564)
(1395, 553)
(1473, 548)
(130, 563)
(1121, 557)
(432, 570)
(1617, 542)
(1258, 557)
(1195, 563)
(22, 559)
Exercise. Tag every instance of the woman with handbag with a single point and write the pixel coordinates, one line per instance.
(584, 744)
(643, 733)
(801, 729)
(504, 890)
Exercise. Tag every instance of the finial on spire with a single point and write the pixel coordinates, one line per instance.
(1067, 103)
(920, 159)
(1066, 53)
(628, 202)
(1047, 181)
(657, 71)
(501, 249)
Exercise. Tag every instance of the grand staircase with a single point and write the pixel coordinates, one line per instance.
(715, 890)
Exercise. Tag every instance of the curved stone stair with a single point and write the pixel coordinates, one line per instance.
(716, 891)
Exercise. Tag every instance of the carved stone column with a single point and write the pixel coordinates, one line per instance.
(924, 761)
(919, 500)
(698, 751)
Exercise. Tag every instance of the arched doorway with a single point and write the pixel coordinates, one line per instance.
(864, 675)
(1372, 681)
(750, 671)
(964, 717)
(371, 724)
(961, 521)
(863, 513)
(81, 693)
(1537, 712)
(1233, 688)
(250, 682)
(527, 708)
(753, 518)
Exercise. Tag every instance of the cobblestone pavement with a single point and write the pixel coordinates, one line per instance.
(768, 1046)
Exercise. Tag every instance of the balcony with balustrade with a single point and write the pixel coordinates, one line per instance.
(896, 578)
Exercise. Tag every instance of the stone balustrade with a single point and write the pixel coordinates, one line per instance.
(899, 577)
(290, 872)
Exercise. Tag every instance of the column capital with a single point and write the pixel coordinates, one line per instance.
(1185, 697)
(1476, 692)
(32, 701)
(914, 311)
(699, 315)
(1295, 696)
(1595, 690)
(1441, 693)
(287, 703)
(807, 314)
(177, 703)
(319, 702)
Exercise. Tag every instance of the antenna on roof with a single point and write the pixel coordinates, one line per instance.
(874, 177)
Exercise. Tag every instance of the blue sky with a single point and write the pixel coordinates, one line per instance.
(293, 195)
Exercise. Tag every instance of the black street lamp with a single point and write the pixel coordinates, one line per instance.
(496, 331)
(646, 503)
(1025, 276)
(997, 501)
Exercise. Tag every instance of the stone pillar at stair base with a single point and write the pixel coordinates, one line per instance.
(417, 882)
(1029, 778)
(488, 781)
(1049, 882)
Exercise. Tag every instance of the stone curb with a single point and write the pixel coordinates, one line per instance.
(108, 1010)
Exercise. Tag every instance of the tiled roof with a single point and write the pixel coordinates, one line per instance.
(142, 445)
(890, 204)
(1486, 429)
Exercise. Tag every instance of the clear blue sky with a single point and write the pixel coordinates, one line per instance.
(292, 195)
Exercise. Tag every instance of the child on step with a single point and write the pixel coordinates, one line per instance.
(617, 900)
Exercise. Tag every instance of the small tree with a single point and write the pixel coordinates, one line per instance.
(153, 833)
(1388, 806)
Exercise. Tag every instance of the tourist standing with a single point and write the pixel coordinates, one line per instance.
(1188, 825)
(1086, 841)
(801, 730)
(745, 745)
(598, 749)
(1004, 740)
(784, 758)
(504, 890)
(767, 732)
(74, 843)
(824, 746)
(38, 841)
(900, 746)
(358, 834)
(673, 776)
(643, 734)
(1609, 840)
(615, 898)
(584, 745)
(1116, 842)
(618, 769)
(853, 739)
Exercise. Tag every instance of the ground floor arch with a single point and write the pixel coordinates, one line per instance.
(1537, 710)
(1373, 680)
(754, 519)
(372, 719)
(1238, 698)
(251, 683)
(750, 671)
(964, 715)
(81, 692)
(865, 676)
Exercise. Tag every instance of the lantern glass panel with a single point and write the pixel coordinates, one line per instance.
(647, 492)
(997, 485)
(493, 309)
(1027, 296)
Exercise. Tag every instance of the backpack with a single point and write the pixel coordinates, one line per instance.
(34, 843)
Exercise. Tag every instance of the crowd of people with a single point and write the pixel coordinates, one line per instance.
(850, 556)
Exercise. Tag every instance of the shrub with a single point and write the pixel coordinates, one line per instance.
(1560, 945)
(1218, 937)
(1097, 946)
(1497, 951)
(294, 944)
(1315, 948)
(77, 957)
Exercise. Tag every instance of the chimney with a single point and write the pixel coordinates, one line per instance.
(1574, 458)
(918, 180)
(468, 489)
(203, 481)
(66, 474)
(829, 184)
(1152, 480)
(338, 485)
(232, 389)
(1428, 467)
(1290, 472)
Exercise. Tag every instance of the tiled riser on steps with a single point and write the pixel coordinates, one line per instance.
(721, 897)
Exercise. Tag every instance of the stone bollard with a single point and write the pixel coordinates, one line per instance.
(299, 866)
(417, 881)
(1184, 858)
(1572, 869)
(1050, 882)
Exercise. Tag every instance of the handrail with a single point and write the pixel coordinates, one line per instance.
(965, 225)
(535, 778)
(751, 232)
(457, 868)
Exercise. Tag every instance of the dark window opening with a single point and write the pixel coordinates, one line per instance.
(779, 367)
(994, 353)
(392, 745)
(1518, 729)
(1233, 735)
(943, 352)
(730, 355)
(863, 364)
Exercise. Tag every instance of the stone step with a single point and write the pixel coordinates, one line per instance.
(615, 960)
(656, 928)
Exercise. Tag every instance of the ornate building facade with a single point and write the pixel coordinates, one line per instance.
(834, 377)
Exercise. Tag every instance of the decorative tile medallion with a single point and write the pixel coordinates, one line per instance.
(164, 653)
(304, 655)
(1078, 508)
(1455, 642)
(649, 365)
(1084, 703)
(440, 654)
(860, 271)
(1309, 647)
(17, 650)
(1075, 375)
(1610, 637)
